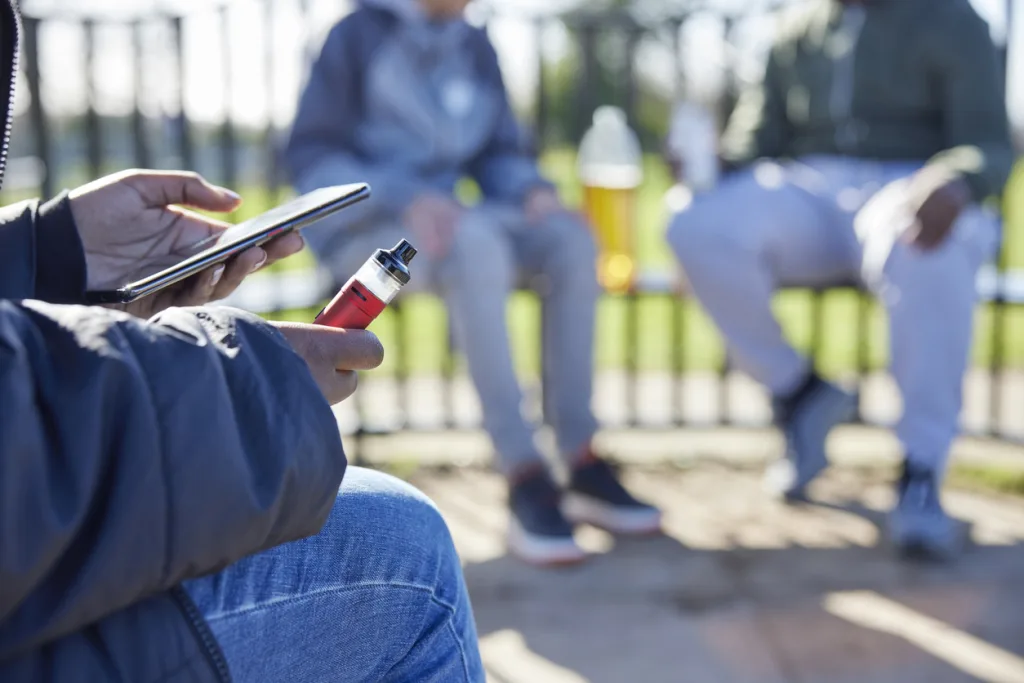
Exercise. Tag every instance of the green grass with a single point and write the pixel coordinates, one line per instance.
(988, 478)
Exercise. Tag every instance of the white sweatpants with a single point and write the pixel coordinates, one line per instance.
(826, 219)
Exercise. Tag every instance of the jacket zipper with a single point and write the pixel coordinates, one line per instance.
(202, 632)
(13, 71)
(841, 95)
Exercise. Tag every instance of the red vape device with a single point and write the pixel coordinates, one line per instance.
(370, 290)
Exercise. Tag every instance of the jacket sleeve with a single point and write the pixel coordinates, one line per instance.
(971, 91)
(41, 253)
(759, 126)
(320, 150)
(136, 454)
(503, 169)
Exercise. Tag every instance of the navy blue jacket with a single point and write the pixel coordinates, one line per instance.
(134, 455)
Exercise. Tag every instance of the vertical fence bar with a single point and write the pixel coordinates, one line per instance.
(724, 383)
(678, 302)
(228, 153)
(143, 158)
(997, 367)
(540, 122)
(402, 374)
(678, 369)
(93, 135)
(863, 360)
(271, 178)
(186, 150)
(448, 374)
(996, 362)
(589, 82)
(36, 111)
(634, 34)
(817, 314)
(633, 318)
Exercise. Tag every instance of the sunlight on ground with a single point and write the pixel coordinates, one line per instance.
(508, 659)
(971, 655)
(743, 589)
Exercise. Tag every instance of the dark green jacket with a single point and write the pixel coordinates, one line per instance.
(912, 80)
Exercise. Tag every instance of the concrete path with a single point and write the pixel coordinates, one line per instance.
(742, 589)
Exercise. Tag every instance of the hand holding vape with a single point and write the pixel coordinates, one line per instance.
(370, 290)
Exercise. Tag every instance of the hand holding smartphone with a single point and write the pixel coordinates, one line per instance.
(294, 215)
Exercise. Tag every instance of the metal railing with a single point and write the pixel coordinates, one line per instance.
(73, 147)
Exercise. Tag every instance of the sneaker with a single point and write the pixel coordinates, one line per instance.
(806, 418)
(918, 526)
(595, 496)
(538, 532)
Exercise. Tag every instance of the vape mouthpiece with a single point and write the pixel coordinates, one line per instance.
(403, 251)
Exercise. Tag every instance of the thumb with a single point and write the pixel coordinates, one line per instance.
(162, 188)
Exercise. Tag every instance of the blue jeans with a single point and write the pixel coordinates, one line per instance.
(377, 595)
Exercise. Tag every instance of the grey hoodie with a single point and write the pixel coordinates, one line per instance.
(408, 105)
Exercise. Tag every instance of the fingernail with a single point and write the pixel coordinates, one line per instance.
(259, 264)
(218, 273)
(234, 196)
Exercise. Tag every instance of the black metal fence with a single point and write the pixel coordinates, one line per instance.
(57, 145)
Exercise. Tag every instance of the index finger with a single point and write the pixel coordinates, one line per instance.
(162, 188)
(340, 349)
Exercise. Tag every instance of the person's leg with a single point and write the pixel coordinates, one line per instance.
(475, 279)
(773, 225)
(736, 245)
(378, 595)
(559, 258)
(930, 297)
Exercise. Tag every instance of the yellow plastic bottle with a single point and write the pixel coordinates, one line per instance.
(609, 164)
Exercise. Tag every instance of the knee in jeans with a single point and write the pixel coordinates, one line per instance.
(395, 518)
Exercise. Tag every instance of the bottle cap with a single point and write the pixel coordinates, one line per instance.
(395, 261)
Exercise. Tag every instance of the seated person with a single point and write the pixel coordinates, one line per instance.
(409, 97)
(169, 487)
(869, 150)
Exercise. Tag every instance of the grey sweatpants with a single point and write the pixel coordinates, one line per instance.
(494, 249)
(821, 220)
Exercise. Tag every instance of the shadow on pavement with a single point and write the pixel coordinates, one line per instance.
(746, 589)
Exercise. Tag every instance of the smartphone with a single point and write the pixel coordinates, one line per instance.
(298, 213)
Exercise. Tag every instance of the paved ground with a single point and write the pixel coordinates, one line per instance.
(741, 589)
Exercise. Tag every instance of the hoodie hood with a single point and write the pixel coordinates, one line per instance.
(420, 33)
(406, 10)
